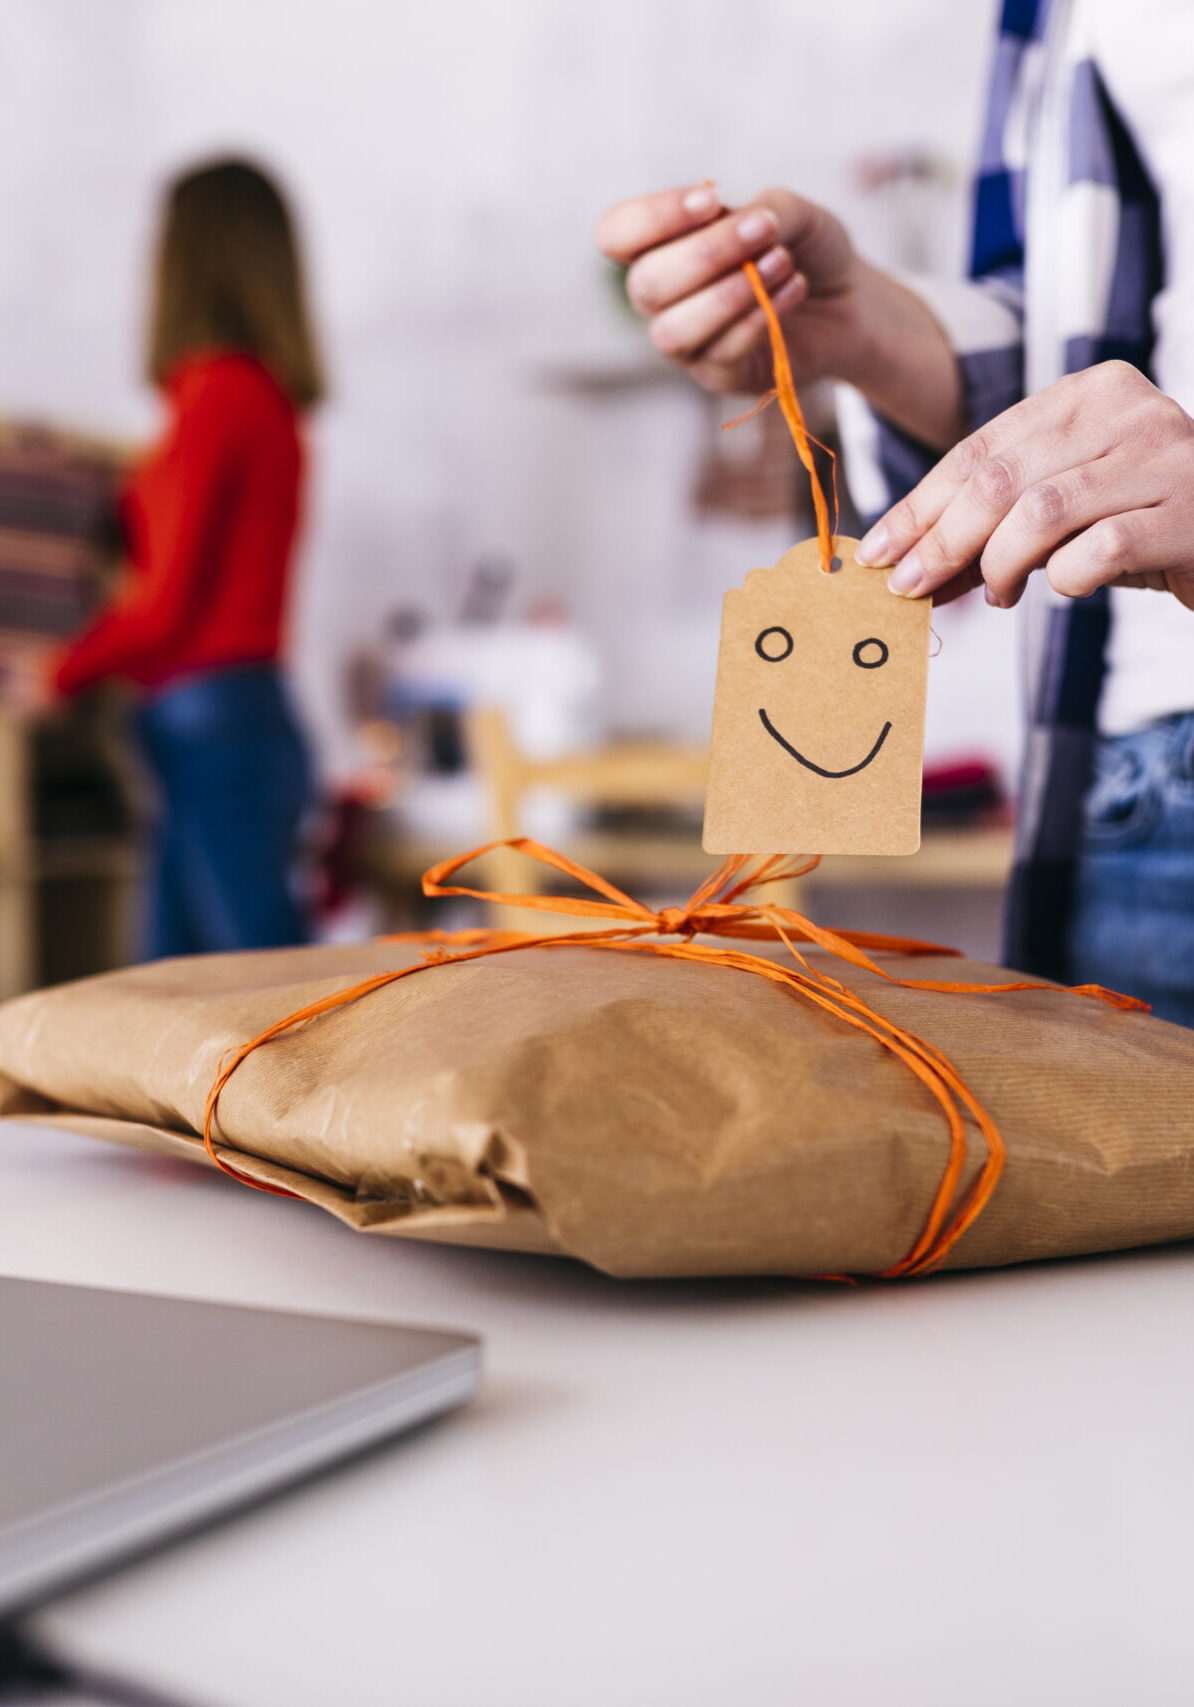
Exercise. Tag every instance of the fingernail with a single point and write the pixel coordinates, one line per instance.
(907, 575)
(874, 548)
(992, 597)
(757, 227)
(774, 264)
(700, 201)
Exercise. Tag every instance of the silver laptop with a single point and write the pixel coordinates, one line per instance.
(125, 1419)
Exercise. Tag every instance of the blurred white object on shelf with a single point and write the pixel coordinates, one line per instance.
(542, 674)
(545, 677)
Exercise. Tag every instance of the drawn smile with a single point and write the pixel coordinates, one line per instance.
(808, 763)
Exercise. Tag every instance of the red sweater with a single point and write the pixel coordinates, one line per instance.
(209, 519)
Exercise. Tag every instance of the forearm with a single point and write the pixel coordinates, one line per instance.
(134, 627)
(905, 365)
(110, 647)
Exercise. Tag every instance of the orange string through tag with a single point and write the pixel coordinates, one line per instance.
(785, 391)
(717, 909)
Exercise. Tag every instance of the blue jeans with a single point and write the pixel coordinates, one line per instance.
(234, 779)
(1132, 927)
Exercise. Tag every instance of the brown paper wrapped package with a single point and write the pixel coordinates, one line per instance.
(650, 1116)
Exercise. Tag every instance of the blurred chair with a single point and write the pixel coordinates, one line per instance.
(653, 862)
(950, 862)
(648, 774)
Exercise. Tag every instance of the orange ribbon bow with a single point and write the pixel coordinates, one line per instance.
(718, 909)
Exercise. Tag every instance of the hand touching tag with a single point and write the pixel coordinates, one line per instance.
(818, 722)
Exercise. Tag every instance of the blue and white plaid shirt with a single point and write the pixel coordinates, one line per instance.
(1067, 262)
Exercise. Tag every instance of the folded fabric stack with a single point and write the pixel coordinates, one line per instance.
(56, 530)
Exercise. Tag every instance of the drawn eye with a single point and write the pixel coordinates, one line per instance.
(775, 644)
(868, 654)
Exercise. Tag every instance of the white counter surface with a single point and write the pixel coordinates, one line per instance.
(975, 1491)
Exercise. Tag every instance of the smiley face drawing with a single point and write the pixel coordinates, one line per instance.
(869, 654)
(818, 725)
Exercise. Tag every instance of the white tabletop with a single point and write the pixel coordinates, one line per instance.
(959, 1492)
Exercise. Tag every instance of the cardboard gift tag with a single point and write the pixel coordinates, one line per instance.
(819, 718)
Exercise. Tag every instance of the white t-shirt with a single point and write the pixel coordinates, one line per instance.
(1145, 53)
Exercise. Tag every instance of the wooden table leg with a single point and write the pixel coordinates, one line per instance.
(18, 928)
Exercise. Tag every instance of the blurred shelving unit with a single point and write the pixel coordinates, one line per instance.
(66, 901)
(69, 861)
(17, 882)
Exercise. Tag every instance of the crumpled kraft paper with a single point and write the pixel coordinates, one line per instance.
(649, 1116)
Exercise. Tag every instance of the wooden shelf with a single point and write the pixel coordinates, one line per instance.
(954, 859)
(90, 907)
(950, 859)
(66, 858)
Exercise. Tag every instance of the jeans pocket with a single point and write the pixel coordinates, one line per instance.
(1176, 788)
(1123, 804)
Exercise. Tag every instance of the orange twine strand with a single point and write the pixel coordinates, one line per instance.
(785, 390)
(715, 909)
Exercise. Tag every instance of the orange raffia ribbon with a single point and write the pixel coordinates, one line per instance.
(785, 391)
(718, 908)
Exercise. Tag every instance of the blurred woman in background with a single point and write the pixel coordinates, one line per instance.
(210, 517)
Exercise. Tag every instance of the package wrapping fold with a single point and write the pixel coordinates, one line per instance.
(650, 1116)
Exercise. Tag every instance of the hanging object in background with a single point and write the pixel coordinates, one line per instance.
(818, 720)
(748, 476)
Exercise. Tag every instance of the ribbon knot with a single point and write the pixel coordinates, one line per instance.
(677, 921)
(715, 909)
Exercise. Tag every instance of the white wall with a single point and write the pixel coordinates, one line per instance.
(449, 161)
